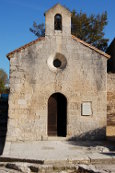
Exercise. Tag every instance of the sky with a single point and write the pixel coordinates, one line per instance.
(17, 16)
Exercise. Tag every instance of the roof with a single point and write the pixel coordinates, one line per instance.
(9, 55)
(58, 4)
(91, 47)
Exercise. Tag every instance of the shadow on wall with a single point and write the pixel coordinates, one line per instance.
(3, 121)
(97, 134)
(94, 138)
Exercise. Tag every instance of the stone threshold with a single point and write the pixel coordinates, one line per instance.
(56, 138)
(58, 162)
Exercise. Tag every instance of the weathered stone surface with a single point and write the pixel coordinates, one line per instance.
(58, 156)
(32, 82)
(111, 106)
(13, 166)
(89, 169)
(30, 168)
(34, 168)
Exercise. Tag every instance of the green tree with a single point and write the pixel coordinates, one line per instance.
(88, 28)
(38, 29)
(3, 80)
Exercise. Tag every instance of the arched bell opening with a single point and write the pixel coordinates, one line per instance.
(58, 22)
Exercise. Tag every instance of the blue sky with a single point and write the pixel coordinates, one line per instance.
(17, 16)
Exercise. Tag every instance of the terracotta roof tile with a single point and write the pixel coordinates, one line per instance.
(9, 55)
(90, 46)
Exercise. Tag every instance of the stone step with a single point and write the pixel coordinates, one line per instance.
(18, 165)
(56, 138)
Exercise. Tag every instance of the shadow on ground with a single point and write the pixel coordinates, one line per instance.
(94, 138)
(109, 153)
(3, 122)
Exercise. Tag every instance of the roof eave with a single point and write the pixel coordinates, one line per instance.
(91, 47)
(10, 55)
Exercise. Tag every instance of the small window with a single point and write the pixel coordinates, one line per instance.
(57, 63)
(86, 108)
(58, 22)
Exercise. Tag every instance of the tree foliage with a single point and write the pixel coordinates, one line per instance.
(3, 80)
(90, 28)
(87, 28)
(38, 29)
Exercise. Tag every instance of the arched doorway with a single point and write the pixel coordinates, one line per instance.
(57, 115)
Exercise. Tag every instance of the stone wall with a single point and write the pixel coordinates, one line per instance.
(111, 106)
(66, 21)
(33, 79)
(81, 78)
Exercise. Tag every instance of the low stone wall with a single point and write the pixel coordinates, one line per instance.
(111, 106)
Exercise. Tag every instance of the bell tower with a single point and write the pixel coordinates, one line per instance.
(58, 21)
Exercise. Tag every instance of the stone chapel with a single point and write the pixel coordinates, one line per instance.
(58, 85)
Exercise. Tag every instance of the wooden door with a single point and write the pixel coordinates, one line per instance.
(57, 115)
(52, 116)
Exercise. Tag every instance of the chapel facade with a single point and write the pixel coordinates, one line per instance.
(58, 85)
